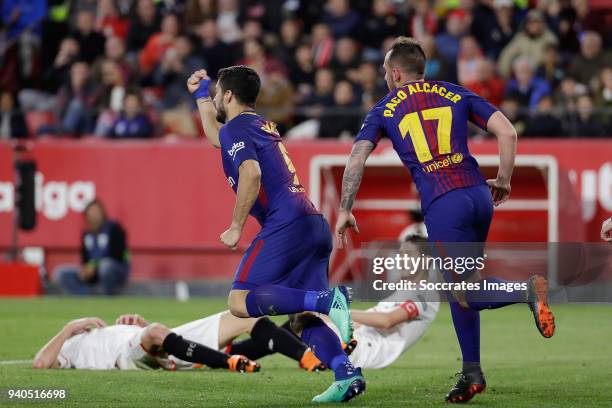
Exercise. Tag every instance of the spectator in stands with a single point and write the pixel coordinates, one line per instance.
(104, 265)
(584, 122)
(302, 70)
(112, 94)
(587, 19)
(551, 68)
(228, 21)
(322, 45)
(342, 20)
(568, 92)
(133, 122)
(76, 101)
(198, 11)
(12, 122)
(423, 20)
(494, 27)
(322, 96)
(109, 22)
(55, 77)
(603, 98)
(437, 66)
(543, 122)
(143, 25)
(448, 41)
(530, 42)
(91, 42)
(289, 40)
(585, 66)
(158, 43)
(525, 86)
(176, 65)
(346, 60)
(381, 23)
(256, 57)
(216, 53)
(371, 87)
(343, 120)
(469, 59)
(515, 113)
(252, 30)
(275, 99)
(487, 84)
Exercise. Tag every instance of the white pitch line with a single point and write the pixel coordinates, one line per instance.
(14, 362)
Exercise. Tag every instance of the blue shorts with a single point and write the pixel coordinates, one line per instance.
(460, 216)
(295, 255)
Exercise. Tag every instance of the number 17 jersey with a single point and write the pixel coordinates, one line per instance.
(427, 122)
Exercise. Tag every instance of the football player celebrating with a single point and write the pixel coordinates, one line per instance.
(284, 270)
(132, 342)
(427, 123)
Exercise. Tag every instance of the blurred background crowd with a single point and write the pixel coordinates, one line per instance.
(117, 68)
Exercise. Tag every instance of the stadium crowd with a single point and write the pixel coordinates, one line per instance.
(117, 68)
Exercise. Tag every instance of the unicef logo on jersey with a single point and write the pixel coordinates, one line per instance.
(236, 147)
(448, 161)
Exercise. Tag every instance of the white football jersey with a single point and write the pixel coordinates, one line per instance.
(378, 348)
(98, 349)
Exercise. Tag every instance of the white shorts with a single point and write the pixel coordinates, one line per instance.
(204, 331)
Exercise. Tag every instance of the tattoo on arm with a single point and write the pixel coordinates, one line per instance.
(354, 172)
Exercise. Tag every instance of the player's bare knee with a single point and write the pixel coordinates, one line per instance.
(236, 302)
(154, 334)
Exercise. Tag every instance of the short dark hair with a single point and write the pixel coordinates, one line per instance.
(409, 55)
(242, 81)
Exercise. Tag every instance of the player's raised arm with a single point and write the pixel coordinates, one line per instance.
(501, 127)
(47, 356)
(198, 84)
(353, 172)
(249, 182)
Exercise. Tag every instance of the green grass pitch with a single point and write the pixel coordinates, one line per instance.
(573, 369)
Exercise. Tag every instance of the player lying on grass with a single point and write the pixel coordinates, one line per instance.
(284, 271)
(384, 332)
(427, 123)
(133, 342)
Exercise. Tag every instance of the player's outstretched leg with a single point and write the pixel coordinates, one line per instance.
(349, 381)
(535, 296)
(277, 300)
(158, 336)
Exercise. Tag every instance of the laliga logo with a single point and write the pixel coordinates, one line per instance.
(235, 148)
(54, 198)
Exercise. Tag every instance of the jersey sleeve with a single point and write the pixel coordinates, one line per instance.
(372, 128)
(411, 309)
(241, 147)
(479, 109)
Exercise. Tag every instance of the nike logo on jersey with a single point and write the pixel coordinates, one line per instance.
(236, 147)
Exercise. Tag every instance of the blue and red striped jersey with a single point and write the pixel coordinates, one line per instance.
(427, 122)
(281, 198)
